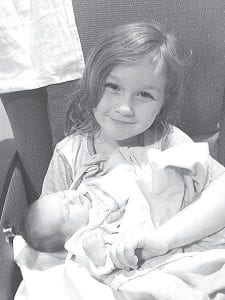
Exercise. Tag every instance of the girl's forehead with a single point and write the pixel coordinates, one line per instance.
(139, 75)
(153, 66)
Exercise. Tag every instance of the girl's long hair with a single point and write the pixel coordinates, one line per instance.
(131, 43)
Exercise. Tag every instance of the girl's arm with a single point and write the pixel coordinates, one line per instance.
(203, 217)
(59, 175)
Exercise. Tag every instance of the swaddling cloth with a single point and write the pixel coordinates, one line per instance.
(157, 185)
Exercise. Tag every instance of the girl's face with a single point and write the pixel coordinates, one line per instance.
(133, 97)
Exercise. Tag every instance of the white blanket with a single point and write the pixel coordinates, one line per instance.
(191, 275)
(186, 276)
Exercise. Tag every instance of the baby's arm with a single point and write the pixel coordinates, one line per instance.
(94, 247)
(201, 218)
(100, 264)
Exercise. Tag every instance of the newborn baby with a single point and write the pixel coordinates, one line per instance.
(51, 220)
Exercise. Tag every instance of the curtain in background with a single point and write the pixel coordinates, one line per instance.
(39, 44)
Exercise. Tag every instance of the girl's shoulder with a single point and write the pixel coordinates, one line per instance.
(176, 136)
(75, 150)
(72, 146)
(70, 141)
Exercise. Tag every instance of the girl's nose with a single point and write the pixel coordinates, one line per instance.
(125, 107)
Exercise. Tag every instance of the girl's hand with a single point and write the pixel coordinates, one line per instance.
(94, 247)
(139, 246)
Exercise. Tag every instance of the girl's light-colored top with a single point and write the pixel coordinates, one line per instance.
(75, 150)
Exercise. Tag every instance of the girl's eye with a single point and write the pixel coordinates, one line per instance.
(112, 86)
(145, 95)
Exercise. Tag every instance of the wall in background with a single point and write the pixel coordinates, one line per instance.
(5, 128)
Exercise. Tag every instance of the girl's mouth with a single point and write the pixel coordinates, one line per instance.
(122, 121)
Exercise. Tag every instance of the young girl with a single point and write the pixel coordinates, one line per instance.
(126, 97)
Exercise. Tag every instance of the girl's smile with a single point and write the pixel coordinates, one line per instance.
(133, 97)
(121, 120)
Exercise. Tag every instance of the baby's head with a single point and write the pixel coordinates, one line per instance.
(51, 220)
(143, 43)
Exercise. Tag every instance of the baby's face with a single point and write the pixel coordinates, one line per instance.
(65, 211)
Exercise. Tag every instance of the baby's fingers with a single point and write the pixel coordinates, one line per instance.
(96, 159)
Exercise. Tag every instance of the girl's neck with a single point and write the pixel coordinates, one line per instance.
(105, 145)
(131, 142)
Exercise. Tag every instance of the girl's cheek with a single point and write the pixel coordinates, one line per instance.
(105, 103)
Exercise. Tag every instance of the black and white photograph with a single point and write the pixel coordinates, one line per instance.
(112, 149)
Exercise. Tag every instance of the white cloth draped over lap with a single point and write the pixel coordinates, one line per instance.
(39, 44)
(173, 177)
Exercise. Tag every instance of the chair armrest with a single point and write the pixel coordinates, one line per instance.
(13, 201)
(221, 141)
(7, 152)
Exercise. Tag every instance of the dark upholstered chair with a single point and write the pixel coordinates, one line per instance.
(37, 116)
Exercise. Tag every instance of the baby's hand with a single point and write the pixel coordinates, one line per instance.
(95, 165)
(128, 250)
(94, 247)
